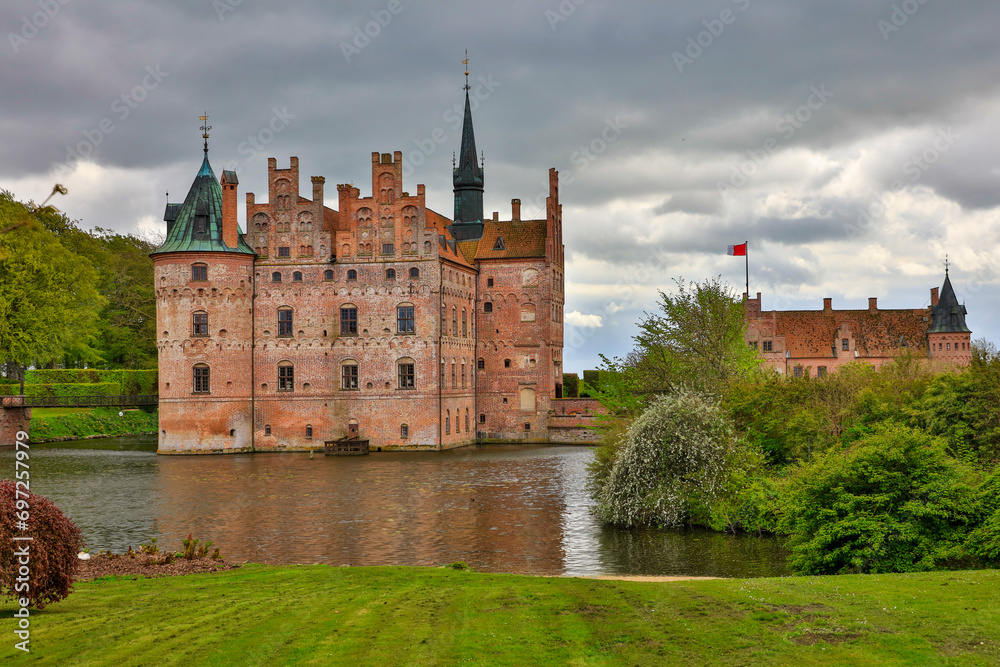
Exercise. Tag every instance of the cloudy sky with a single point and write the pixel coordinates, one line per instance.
(853, 144)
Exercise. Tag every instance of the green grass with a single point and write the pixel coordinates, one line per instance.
(49, 423)
(423, 616)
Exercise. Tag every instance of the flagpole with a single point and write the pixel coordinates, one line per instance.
(746, 255)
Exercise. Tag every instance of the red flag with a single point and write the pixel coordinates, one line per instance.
(737, 250)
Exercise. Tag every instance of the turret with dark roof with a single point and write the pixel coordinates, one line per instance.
(948, 315)
(196, 225)
(468, 181)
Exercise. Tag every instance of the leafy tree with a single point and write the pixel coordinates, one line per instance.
(894, 502)
(48, 295)
(675, 462)
(696, 338)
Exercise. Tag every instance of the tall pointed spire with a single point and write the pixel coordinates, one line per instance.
(948, 316)
(467, 176)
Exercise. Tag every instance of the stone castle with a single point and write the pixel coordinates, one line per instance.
(381, 320)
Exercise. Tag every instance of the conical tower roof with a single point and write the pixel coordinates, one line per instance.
(948, 314)
(468, 181)
(198, 225)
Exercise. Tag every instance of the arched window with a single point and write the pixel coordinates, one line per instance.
(297, 277)
(349, 375)
(463, 373)
(467, 420)
(328, 274)
(404, 318)
(199, 272)
(465, 326)
(454, 320)
(286, 376)
(390, 274)
(454, 374)
(414, 272)
(201, 379)
(404, 431)
(527, 399)
(352, 274)
(406, 378)
(447, 422)
(309, 431)
(276, 277)
(199, 323)
(285, 321)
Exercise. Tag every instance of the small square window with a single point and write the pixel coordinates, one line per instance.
(489, 282)
(481, 364)
(506, 363)
(276, 277)
(845, 344)
(404, 430)
(309, 432)
(267, 429)
(390, 274)
(482, 419)
(297, 277)
(388, 248)
(821, 371)
(797, 371)
(199, 272)
(768, 346)
(328, 275)
(284, 251)
(352, 274)
(488, 307)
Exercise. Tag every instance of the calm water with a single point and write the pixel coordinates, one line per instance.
(499, 508)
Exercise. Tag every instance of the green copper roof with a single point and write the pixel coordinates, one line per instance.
(198, 223)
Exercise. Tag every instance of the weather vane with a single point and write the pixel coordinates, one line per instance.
(205, 127)
(946, 264)
(466, 63)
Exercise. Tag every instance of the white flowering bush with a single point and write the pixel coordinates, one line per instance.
(674, 461)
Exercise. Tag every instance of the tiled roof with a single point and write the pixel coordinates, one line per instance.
(949, 314)
(877, 333)
(197, 226)
(523, 238)
(447, 246)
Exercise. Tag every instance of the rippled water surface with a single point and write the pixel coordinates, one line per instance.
(499, 508)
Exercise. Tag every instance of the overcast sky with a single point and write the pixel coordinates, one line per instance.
(853, 144)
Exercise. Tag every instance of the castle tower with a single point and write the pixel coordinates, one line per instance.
(467, 178)
(948, 337)
(203, 276)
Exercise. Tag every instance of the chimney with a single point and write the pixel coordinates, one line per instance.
(934, 296)
(230, 230)
(827, 304)
(872, 303)
(318, 182)
(515, 205)
(496, 216)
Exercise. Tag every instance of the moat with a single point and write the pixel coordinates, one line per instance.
(518, 509)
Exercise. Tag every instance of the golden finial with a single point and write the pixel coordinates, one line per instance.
(466, 63)
(205, 127)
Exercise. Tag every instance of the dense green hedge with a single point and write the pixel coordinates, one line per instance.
(128, 382)
(571, 385)
(95, 389)
(99, 421)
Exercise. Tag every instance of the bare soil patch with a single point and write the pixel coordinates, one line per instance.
(145, 565)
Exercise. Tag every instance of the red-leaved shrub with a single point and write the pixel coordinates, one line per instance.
(52, 551)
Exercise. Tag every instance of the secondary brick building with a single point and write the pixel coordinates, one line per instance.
(816, 342)
(380, 318)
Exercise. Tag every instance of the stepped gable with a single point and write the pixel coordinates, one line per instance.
(196, 225)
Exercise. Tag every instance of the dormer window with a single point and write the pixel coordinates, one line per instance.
(499, 244)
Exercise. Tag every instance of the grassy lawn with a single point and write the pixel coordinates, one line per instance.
(45, 413)
(262, 615)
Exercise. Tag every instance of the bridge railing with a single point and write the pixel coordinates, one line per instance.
(78, 401)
